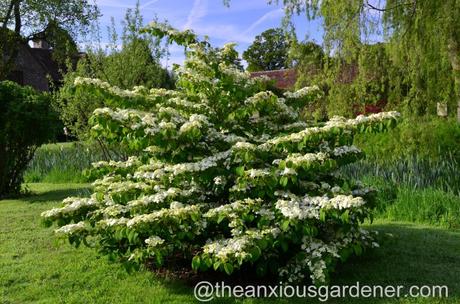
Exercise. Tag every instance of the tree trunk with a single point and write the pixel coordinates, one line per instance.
(8, 14)
(17, 17)
(454, 57)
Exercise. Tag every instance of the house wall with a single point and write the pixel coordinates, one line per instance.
(33, 73)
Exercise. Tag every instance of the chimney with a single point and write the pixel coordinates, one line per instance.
(40, 44)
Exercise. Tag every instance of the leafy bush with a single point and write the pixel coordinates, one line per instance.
(26, 121)
(429, 138)
(227, 177)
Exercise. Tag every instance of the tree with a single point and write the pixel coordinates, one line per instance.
(54, 20)
(26, 121)
(131, 59)
(269, 51)
(423, 41)
(227, 176)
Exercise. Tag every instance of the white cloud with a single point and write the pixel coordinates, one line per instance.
(199, 10)
(271, 15)
(145, 5)
(225, 32)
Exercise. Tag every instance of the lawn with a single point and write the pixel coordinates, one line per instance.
(38, 269)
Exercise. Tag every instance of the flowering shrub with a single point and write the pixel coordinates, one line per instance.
(226, 176)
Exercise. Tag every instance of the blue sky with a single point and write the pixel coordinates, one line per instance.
(239, 23)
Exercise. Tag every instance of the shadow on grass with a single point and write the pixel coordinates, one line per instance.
(56, 194)
(414, 256)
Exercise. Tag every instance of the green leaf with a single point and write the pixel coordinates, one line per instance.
(345, 216)
(285, 225)
(208, 261)
(283, 181)
(322, 215)
(255, 253)
(284, 245)
(228, 268)
(357, 249)
(239, 171)
(196, 261)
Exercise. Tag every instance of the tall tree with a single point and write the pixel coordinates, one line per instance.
(141, 52)
(269, 51)
(55, 20)
(423, 40)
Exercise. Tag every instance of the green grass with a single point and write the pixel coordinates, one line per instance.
(62, 163)
(37, 269)
(430, 206)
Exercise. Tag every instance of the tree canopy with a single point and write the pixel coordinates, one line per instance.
(422, 42)
(53, 20)
(269, 51)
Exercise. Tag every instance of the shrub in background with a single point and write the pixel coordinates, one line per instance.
(26, 121)
(428, 138)
(227, 176)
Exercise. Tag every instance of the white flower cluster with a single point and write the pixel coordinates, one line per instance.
(177, 169)
(111, 222)
(132, 161)
(294, 125)
(377, 117)
(154, 241)
(258, 173)
(345, 150)
(335, 122)
(300, 160)
(241, 145)
(299, 208)
(162, 196)
(262, 99)
(309, 207)
(122, 115)
(165, 213)
(124, 186)
(106, 86)
(288, 172)
(196, 121)
(233, 72)
(115, 210)
(237, 247)
(215, 136)
(71, 229)
(343, 202)
(72, 204)
(233, 212)
(312, 90)
(315, 252)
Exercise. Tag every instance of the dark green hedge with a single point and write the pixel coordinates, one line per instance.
(26, 121)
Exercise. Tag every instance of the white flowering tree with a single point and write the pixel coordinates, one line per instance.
(226, 175)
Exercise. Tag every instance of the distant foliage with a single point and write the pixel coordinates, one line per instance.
(26, 121)
(130, 60)
(227, 176)
(420, 53)
(269, 51)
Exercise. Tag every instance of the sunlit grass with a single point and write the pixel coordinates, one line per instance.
(37, 269)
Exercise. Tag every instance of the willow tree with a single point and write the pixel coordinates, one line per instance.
(423, 40)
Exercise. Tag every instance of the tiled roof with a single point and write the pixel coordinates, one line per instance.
(284, 79)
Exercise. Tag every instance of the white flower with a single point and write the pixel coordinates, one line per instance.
(176, 205)
(154, 241)
(71, 229)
